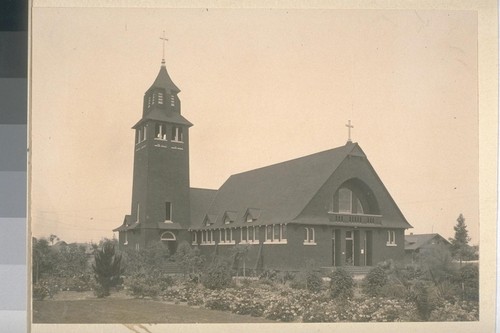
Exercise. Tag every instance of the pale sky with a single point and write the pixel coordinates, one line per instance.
(261, 86)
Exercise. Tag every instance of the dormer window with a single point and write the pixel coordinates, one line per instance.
(177, 134)
(229, 217)
(160, 98)
(207, 221)
(161, 131)
(252, 214)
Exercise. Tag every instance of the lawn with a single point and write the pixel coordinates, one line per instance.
(79, 308)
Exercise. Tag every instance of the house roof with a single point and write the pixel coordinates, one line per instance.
(164, 81)
(414, 242)
(278, 192)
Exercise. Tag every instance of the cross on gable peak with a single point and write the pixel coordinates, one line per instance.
(349, 126)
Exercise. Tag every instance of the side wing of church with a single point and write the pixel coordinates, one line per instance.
(326, 209)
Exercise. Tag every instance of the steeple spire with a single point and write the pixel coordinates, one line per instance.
(164, 39)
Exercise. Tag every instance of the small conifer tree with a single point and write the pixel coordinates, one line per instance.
(107, 268)
(460, 248)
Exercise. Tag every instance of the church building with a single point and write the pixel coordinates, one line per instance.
(329, 208)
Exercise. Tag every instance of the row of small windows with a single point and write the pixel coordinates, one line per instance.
(176, 133)
(274, 233)
(159, 98)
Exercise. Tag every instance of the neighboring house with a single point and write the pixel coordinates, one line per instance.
(417, 246)
(330, 208)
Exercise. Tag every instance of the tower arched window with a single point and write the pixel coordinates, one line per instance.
(167, 236)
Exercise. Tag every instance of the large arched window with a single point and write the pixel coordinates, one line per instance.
(354, 197)
(167, 236)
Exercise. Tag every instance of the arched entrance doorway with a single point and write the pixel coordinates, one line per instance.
(169, 238)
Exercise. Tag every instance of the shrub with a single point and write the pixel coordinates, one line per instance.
(299, 281)
(320, 313)
(282, 309)
(460, 311)
(469, 276)
(425, 298)
(217, 276)
(341, 284)
(141, 287)
(269, 274)
(218, 301)
(374, 281)
(314, 282)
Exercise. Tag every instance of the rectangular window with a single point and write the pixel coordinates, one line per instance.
(177, 134)
(194, 237)
(144, 133)
(391, 238)
(172, 100)
(137, 247)
(255, 234)
(126, 238)
(160, 98)
(138, 135)
(244, 235)
(310, 237)
(168, 211)
(138, 210)
(275, 233)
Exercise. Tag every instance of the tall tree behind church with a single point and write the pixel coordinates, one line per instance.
(460, 243)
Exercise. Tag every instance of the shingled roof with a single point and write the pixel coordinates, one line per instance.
(164, 81)
(278, 192)
(164, 116)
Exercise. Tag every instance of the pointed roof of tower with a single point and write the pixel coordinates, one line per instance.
(164, 81)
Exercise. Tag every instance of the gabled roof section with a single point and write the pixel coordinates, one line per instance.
(127, 220)
(415, 242)
(280, 191)
(200, 199)
(164, 81)
(164, 116)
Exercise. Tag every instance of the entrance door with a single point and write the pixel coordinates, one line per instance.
(349, 248)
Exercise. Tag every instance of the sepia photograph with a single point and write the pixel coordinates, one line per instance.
(257, 165)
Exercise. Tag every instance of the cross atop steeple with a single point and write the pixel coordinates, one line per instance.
(349, 126)
(164, 39)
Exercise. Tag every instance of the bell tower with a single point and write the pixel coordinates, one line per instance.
(160, 208)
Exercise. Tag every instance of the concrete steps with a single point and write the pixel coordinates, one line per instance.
(357, 272)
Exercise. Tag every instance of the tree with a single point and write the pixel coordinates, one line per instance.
(53, 238)
(107, 268)
(460, 248)
(44, 260)
(188, 258)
